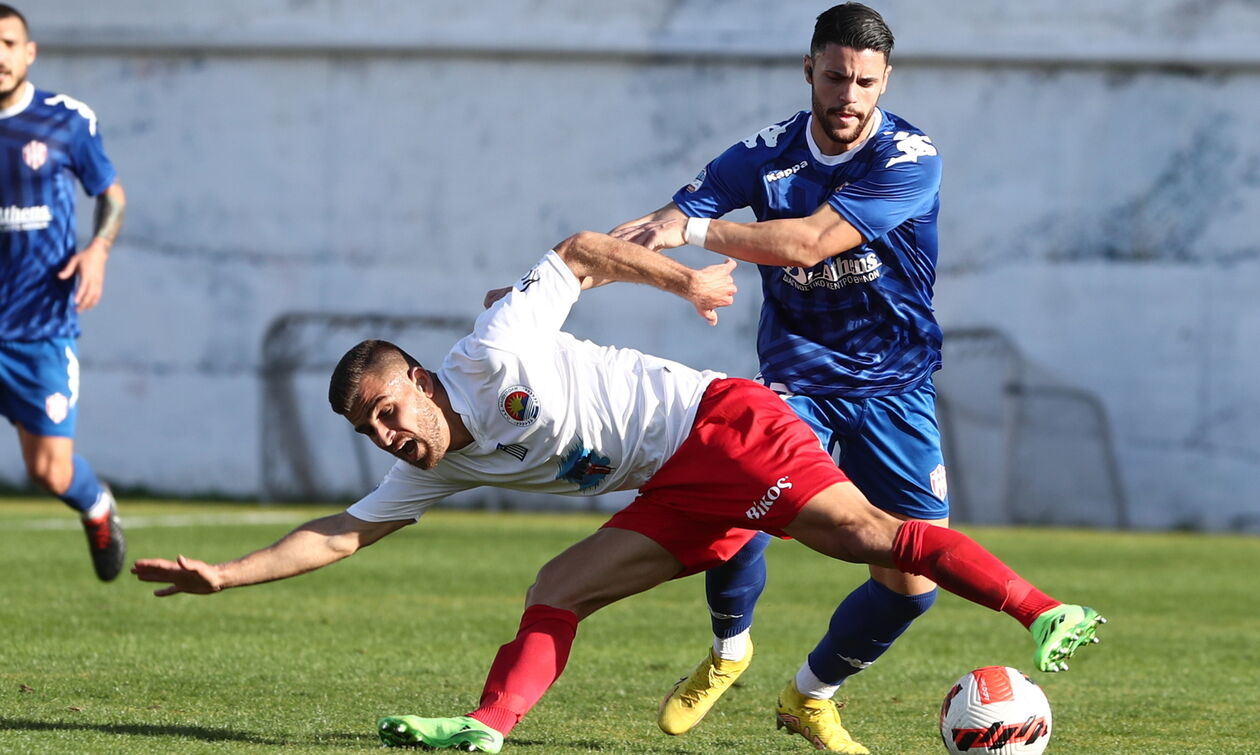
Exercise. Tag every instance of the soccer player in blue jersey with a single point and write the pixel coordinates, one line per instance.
(846, 196)
(46, 141)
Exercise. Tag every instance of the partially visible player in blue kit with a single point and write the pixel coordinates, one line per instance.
(47, 141)
(846, 198)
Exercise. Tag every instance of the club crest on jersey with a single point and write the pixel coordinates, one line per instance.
(583, 467)
(57, 407)
(518, 405)
(35, 154)
(940, 486)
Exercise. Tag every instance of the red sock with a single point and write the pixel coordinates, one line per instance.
(962, 566)
(526, 667)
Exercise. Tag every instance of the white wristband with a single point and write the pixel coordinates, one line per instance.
(696, 231)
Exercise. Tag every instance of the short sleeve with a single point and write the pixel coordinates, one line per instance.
(534, 310)
(87, 152)
(405, 493)
(715, 190)
(904, 185)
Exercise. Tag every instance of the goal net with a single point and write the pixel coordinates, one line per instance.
(1022, 447)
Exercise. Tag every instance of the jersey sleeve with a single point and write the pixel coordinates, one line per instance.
(534, 310)
(87, 154)
(903, 185)
(405, 493)
(715, 190)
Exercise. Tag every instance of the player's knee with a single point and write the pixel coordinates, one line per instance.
(847, 527)
(49, 475)
(552, 587)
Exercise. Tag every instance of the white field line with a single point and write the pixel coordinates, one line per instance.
(70, 522)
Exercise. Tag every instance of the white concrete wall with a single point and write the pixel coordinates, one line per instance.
(1100, 204)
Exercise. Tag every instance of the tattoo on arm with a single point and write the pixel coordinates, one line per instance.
(109, 215)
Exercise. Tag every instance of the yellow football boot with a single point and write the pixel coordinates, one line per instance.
(816, 720)
(693, 696)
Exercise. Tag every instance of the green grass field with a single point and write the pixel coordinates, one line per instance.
(411, 624)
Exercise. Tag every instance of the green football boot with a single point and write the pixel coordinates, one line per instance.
(1060, 631)
(458, 733)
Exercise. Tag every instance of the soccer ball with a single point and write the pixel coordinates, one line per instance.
(995, 710)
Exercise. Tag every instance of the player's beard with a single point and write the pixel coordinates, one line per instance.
(429, 434)
(846, 136)
(18, 83)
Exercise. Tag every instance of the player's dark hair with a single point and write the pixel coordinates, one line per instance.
(366, 357)
(8, 11)
(852, 25)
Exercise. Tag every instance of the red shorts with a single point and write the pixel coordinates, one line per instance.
(748, 464)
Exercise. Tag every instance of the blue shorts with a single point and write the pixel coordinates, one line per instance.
(39, 385)
(889, 446)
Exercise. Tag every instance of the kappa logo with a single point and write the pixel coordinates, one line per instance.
(77, 106)
(912, 146)
(518, 405)
(72, 375)
(762, 507)
(530, 279)
(776, 175)
(770, 135)
(856, 663)
(35, 154)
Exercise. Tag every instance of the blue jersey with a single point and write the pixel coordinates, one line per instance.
(860, 323)
(46, 141)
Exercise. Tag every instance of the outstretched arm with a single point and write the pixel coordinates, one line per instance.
(317, 543)
(597, 258)
(787, 242)
(640, 230)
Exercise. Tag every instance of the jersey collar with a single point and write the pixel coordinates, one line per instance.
(21, 104)
(843, 157)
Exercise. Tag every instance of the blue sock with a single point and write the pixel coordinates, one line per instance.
(84, 487)
(863, 627)
(733, 588)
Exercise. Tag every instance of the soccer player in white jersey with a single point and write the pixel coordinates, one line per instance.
(520, 404)
(845, 195)
(47, 141)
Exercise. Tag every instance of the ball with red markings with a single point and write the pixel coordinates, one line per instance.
(995, 710)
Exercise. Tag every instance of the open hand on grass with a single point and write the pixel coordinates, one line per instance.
(184, 575)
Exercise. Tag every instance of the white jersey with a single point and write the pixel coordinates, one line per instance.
(548, 413)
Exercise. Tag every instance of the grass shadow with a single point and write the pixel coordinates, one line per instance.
(203, 733)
